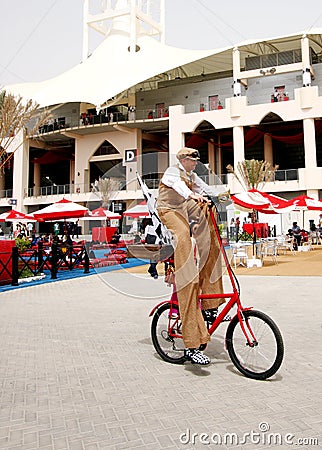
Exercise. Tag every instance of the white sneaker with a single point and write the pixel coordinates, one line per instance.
(196, 356)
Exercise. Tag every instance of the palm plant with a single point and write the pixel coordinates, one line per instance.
(252, 174)
(17, 114)
(104, 188)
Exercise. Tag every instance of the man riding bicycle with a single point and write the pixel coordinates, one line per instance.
(182, 200)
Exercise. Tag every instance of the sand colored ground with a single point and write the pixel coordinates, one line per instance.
(298, 264)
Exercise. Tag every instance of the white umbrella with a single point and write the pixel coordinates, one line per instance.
(101, 214)
(140, 210)
(13, 215)
(262, 202)
(305, 203)
(64, 209)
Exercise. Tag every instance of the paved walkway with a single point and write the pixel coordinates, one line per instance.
(78, 371)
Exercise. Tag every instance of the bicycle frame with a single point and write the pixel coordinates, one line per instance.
(234, 299)
(233, 296)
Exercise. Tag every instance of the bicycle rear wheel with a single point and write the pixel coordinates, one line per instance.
(263, 357)
(166, 334)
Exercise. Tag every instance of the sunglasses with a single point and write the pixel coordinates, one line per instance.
(193, 155)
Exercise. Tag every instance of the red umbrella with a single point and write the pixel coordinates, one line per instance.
(262, 202)
(305, 203)
(64, 209)
(101, 214)
(12, 215)
(254, 200)
(140, 210)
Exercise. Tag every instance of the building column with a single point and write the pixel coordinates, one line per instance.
(218, 159)
(211, 156)
(268, 149)
(305, 48)
(218, 167)
(2, 183)
(37, 179)
(211, 163)
(162, 162)
(236, 72)
(309, 143)
(239, 145)
(176, 135)
(72, 176)
(134, 164)
(20, 171)
(219, 163)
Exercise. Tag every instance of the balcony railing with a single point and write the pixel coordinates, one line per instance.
(89, 120)
(212, 180)
(62, 189)
(59, 189)
(279, 175)
(152, 183)
(286, 175)
(6, 193)
(215, 180)
(273, 59)
(116, 117)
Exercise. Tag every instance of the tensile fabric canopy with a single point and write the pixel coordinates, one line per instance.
(101, 214)
(262, 202)
(63, 209)
(140, 210)
(13, 215)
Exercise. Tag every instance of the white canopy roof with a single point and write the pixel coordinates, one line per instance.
(112, 68)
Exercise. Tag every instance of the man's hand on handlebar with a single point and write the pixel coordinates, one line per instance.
(199, 198)
(223, 197)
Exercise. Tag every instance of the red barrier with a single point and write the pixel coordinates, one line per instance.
(103, 234)
(261, 229)
(5, 260)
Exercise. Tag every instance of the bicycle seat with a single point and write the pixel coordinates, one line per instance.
(150, 251)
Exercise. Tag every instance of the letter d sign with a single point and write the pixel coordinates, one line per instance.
(130, 155)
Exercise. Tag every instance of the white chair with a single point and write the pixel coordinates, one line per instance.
(269, 249)
(240, 255)
(306, 246)
(291, 243)
(282, 244)
(315, 237)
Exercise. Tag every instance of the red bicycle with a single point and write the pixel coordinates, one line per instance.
(253, 340)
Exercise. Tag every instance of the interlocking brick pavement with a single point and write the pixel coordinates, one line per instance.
(78, 370)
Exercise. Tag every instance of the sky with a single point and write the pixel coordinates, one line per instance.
(43, 38)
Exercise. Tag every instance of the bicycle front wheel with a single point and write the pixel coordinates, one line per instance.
(260, 358)
(166, 334)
